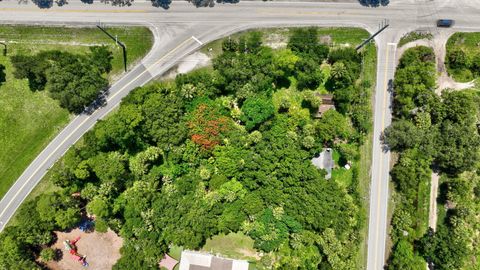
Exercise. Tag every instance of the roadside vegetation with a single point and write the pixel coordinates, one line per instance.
(221, 153)
(463, 56)
(428, 132)
(412, 36)
(58, 59)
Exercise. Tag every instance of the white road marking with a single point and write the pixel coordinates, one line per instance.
(196, 39)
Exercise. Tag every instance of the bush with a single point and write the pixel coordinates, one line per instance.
(457, 59)
(47, 254)
(256, 110)
(344, 54)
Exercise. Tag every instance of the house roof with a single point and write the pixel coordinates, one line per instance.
(325, 161)
(327, 104)
(192, 260)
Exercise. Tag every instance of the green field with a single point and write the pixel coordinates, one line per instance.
(29, 120)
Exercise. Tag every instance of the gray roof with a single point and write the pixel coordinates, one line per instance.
(192, 260)
(325, 161)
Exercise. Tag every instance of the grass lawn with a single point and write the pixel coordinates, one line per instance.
(232, 245)
(468, 42)
(29, 120)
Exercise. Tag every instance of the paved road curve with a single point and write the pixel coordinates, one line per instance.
(183, 29)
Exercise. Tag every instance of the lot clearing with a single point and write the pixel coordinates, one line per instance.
(102, 250)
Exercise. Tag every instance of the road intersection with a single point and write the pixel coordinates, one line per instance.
(183, 29)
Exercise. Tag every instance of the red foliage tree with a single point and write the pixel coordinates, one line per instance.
(207, 125)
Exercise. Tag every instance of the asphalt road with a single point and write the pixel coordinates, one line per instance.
(183, 29)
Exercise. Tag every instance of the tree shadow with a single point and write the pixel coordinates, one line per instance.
(58, 255)
(2, 74)
(165, 4)
(43, 3)
(374, 3)
(211, 3)
(61, 2)
(101, 101)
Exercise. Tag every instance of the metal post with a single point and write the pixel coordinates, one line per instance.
(370, 38)
(119, 43)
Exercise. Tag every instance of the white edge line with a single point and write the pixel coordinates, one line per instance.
(197, 40)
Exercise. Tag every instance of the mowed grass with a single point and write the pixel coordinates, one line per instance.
(32, 39)
(468, 42)
(232, 245)
(29, 120)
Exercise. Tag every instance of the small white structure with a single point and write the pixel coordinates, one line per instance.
(192, 260)
(325, 161)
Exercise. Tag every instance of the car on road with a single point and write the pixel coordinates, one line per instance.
(445, 23)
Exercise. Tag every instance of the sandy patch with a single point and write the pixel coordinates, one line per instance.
(189, 63)
(276, 40)
(102, 250)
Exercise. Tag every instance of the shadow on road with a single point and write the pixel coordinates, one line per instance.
(101, 101)
(374, 3)
(211, 3)
(43, 3)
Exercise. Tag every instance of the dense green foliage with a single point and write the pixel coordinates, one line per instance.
(430, 132)
(455, 245)
(74, 80)
(218, 151)
(463, 56)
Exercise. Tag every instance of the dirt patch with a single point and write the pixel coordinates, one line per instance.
(326, 39)
(102, 250)
(276, 40)
(189, 63)
(249, 253)
(432, 213)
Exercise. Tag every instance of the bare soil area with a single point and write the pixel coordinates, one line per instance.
(102, 250)
(189, 63)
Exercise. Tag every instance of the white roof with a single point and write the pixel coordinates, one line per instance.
(192, 260)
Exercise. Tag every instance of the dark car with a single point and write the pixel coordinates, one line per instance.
(444, 23)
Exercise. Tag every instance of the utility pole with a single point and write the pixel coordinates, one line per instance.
(4, 49)
(115, 38)
(384, 24)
